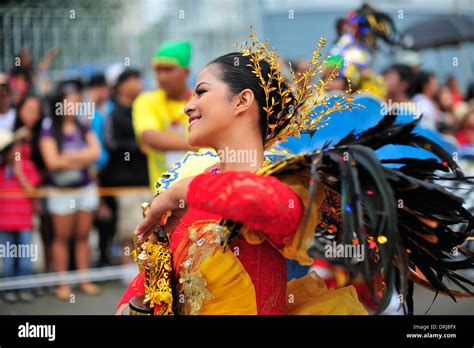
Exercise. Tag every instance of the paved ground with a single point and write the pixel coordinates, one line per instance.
(104, 303)
(112, 291)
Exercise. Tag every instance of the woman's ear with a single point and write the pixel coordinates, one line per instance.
(244, 101)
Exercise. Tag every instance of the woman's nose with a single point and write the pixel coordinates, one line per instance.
(190, 106)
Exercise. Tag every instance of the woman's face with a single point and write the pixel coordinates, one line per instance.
(30, 112)
(432, 87)
(446, 98)
(211, 111)
(71, 104)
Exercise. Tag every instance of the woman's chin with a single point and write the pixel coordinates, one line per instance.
(196, 139)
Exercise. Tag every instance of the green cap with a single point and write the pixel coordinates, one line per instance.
(173, 52)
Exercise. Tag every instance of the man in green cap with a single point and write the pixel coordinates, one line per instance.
(158, 117)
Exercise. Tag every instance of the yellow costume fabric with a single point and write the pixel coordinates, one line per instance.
(309, 295)
(230, 285)
(192, 164)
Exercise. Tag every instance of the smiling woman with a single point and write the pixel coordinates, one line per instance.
(222, 118)
(231, 227)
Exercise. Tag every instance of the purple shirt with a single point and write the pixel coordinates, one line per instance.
(71, 143)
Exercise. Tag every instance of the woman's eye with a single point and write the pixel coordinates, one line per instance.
(200, 91)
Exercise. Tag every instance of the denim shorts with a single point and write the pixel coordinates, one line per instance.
(85, 198)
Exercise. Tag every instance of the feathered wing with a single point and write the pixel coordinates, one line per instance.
(401, 217)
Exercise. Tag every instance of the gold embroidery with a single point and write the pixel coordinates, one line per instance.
(206, 239)
(154, 260)
(194, 290)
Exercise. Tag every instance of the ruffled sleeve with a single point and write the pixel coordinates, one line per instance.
(262, 203)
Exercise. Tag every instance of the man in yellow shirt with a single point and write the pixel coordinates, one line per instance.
(160, 124)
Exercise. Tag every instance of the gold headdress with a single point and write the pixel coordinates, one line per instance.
(295, 114)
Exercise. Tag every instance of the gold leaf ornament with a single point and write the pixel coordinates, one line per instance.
(281, 125)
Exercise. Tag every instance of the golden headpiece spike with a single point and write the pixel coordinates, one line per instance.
(292, 111)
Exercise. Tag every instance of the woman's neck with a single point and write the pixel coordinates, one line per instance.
(241, 156)
(68, 123)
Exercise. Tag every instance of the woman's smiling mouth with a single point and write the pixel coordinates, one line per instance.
(193, 120)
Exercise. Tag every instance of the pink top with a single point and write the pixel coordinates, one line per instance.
(16, 210)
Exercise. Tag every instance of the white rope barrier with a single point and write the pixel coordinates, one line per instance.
(71, 278)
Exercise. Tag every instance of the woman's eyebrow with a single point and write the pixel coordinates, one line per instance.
(201, 83)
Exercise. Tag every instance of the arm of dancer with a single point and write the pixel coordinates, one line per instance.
(261, 203)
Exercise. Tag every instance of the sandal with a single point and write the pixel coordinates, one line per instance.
(89, 288)
(63, 292)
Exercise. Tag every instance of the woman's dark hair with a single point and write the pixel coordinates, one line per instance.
(19, 122)
(405, 73)
(97, 80)
(36, 130)
(123, 77)
(235, 71)
(421, 80)
(63, 89)
(127, 74)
